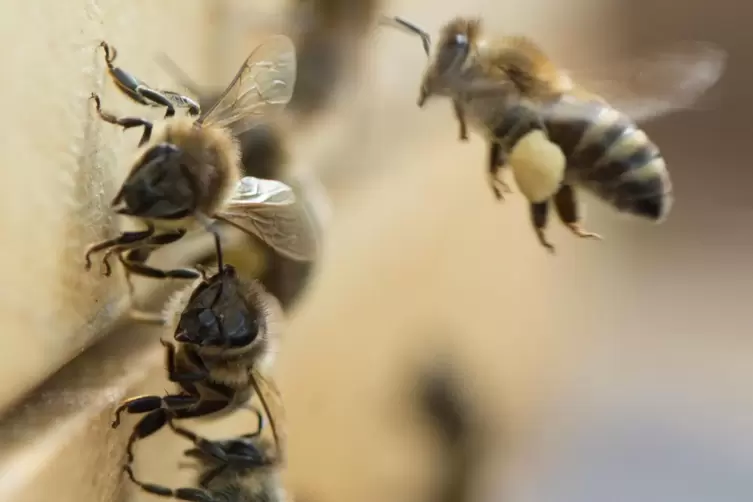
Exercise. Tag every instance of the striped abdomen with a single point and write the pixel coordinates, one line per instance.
(610, 156)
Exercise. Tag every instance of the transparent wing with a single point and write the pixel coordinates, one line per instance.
(264, 84)
(666, 81)
(271, 399)
(270, 210)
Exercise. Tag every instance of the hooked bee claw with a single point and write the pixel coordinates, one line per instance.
(580, 232)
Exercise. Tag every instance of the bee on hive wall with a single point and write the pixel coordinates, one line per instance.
(189, 174)
(556, 134)
(263, 155)
(226, 329)
(239, 469)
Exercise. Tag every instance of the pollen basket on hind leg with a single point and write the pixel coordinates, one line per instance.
(538, 166)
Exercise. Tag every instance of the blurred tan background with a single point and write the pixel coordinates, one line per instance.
(614, 371)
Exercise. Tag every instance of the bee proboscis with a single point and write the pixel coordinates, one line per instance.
(555, 134)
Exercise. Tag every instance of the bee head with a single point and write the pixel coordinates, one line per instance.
(218, 315)
(452, 50)
(159, 186)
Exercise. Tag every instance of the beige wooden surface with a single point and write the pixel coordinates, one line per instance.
(63, 166)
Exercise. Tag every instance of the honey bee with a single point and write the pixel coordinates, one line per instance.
(239, 469)
(226, 328)
(189, 174)
(142, 93)
(555, 134)
(263, 155)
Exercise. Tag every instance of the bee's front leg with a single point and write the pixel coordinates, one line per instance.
(157, 97)
(124, 241)
(125, 122)
(134, 262)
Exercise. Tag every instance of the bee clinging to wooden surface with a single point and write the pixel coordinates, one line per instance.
(226, 329)
(142, 93)
(556, 135)
(189, 175)
(240, 469)
(264, 154)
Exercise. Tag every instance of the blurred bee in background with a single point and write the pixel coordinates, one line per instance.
(327, 36)
(440, 400)
(142, 93)
(555, 134)
(263, 155)
(240, 469)
(226, 329)
(189, 175)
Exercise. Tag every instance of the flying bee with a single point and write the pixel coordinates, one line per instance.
(189, 175)
(555, 134)
(142, 93)
(226, 328)
(239, 469)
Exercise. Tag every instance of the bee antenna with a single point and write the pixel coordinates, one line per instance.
(402, 24)
(210, 227)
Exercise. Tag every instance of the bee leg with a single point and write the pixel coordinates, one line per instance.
(259, 421)
(157, 97)
(115, 250)
(496, 164)
(125, 122)
(139, 255)
(539, 217)
(124, 240)
(136, 257)
(110, 52)
(460, 116)
(208, 476)
(143, 252)
(207, 446)
(153, 405)
(172, 372)
(137, 268)
(187, 494)
(566, 206)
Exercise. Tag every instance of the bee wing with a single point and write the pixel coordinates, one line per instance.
(666, 81)
(271, 400)
(270, 210)
(264, 84)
